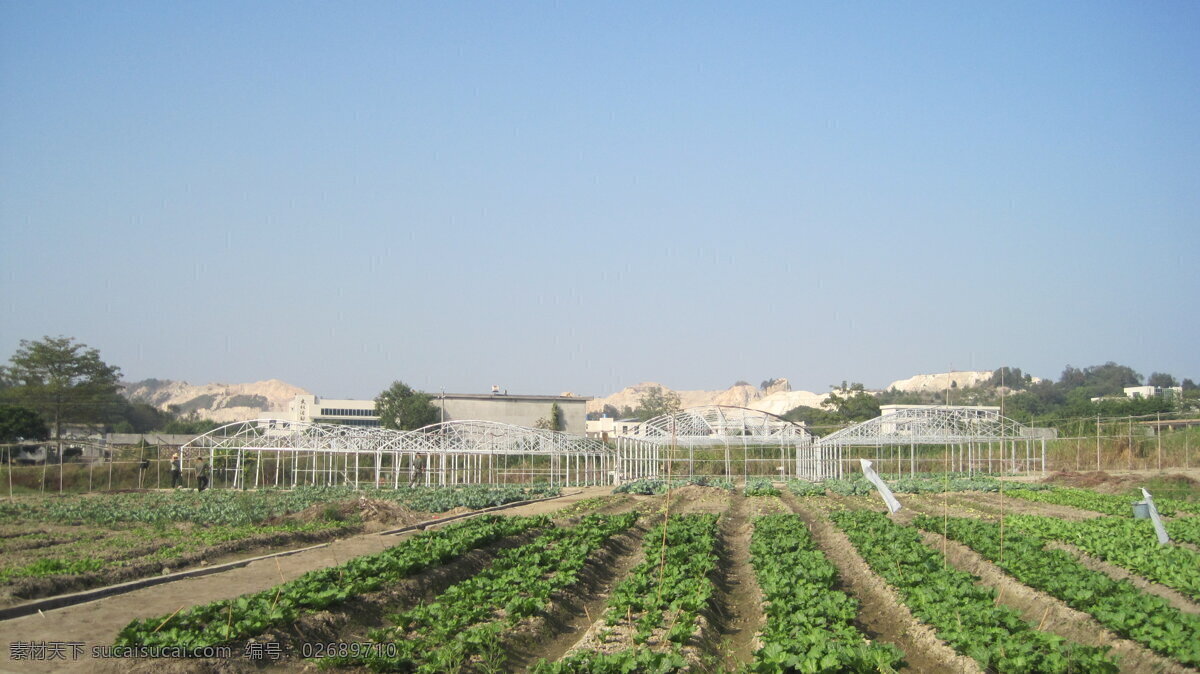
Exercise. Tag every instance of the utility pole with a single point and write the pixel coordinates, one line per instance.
(1158, 432)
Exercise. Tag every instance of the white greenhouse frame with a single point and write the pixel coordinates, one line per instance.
(771, 446)
(282, 453)
(974, 440)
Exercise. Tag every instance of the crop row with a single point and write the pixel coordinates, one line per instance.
(466, 621)
(649, 486)
(809, 623)
(856, 485)
(760, 486)
(1128, 543)
(1109, 504)
(964, 614)
(669, 589)
(1116, 604)
(227, 620)
(128, 547)
(1185, 530)
(247, 507)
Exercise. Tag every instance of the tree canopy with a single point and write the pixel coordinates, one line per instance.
(553, 422)
(64, 381)
(655, 402)
(403, 408)
(21, 423)
(1162, 380)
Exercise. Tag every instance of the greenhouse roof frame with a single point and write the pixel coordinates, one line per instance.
(460, 437)
(934, 425)
(714, 425)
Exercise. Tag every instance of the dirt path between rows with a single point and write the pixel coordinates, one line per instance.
(598, 636)
(96, 623)
(883, 617)
(740, 615)
(1172, 596)
(574, 610)
(992, 502)
(1048, 613)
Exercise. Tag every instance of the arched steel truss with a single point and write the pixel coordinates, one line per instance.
(275, 452)
(973, 440)
(767, 444)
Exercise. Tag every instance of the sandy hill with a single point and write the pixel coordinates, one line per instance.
(219, 402)
(780, 398)
(777, 399)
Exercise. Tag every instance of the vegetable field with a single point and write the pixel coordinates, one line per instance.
(974, 574)
(50, 545)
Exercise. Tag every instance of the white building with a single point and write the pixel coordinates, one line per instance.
(607, 428)
(330, 411)
(1152, 391)
(518, 410)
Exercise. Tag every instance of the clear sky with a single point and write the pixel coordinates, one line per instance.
(579, 196)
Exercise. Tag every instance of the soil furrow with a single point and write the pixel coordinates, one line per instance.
(551, 636)
(1049, 613)
(883, 617)
(739, 612)
(1172, 596)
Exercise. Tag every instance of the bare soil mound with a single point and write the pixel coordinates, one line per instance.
(1109, 483)
(367, 509)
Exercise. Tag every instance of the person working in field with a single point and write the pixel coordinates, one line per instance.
(176, 471)
(201, 475)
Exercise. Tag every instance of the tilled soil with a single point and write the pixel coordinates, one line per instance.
(550, 636)
(1048, 613)
(603, 638)
(96, 623)
(883, 617)
(994, 502)
(1173, 597)
(739, 615)
(135, 566)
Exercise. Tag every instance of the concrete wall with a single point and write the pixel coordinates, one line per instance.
(516, 410)
(151, 438)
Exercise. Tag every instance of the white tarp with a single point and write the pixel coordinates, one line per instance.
(892, 504)
(1158, 525)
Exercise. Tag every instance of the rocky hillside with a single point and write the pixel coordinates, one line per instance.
(777, 399)
(219, 402)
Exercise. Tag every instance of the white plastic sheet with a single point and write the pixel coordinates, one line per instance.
(872, 477)
(1158, 525)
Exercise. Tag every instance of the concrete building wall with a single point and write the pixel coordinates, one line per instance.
(516, 410)
(510, 409)
(330, 410)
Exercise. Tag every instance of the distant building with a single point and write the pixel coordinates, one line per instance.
(1152, 391)
(607, 428)
(518, 410)
(315, 409)
(980, 410)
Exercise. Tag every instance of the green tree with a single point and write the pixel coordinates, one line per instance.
(1011, 377)
(403, 408)
(1162, 380)
(21, 423)
(553, 422)
(655, 402)
(64, 381)
(142, 417)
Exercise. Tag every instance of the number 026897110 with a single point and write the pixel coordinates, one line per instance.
(352, 649)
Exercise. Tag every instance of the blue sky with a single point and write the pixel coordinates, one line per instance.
(580, 196)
